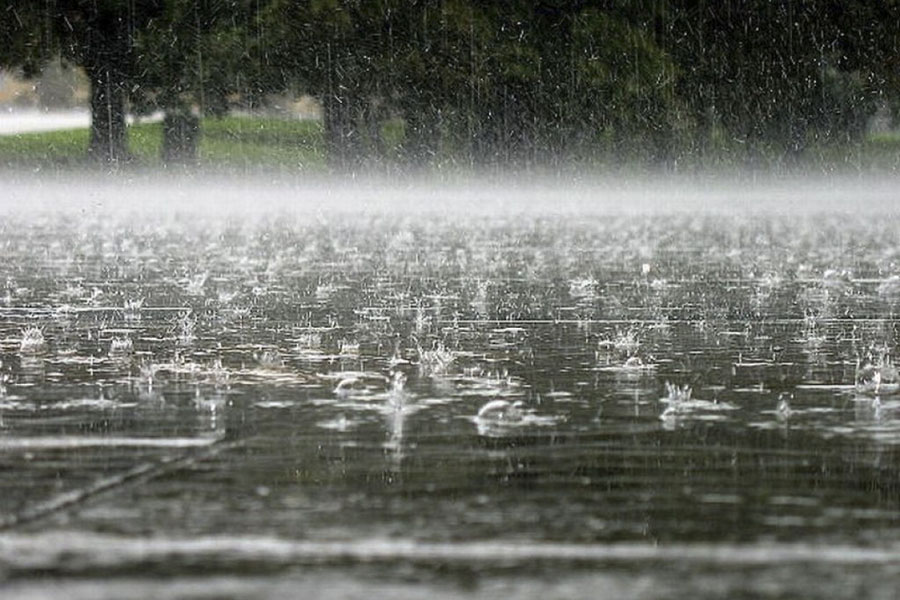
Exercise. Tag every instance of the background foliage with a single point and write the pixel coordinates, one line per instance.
(521, 83)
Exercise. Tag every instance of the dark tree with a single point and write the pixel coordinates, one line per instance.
(98, 35)
(198, 58)
(780, 77)
(331, 49)
(519, 82)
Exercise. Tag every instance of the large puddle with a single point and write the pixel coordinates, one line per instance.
(546, 406)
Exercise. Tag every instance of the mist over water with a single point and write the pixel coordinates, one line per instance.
(504, 195)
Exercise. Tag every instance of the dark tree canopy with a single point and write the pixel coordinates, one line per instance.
(98, 35)
(558, 80)
(196, 58)
(497, 83)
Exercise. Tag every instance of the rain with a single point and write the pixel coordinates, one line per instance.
(529, 300)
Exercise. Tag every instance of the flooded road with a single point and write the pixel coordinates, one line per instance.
(351, 404)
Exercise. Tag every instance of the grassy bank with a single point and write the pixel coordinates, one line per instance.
(247, 144)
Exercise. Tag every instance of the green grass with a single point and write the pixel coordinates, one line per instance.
(228, 142)
(145, 142)
(247, 144)
(34, 149)
(255, 141)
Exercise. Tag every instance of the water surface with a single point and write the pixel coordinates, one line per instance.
(266, 404)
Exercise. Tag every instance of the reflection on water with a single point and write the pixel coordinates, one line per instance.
(483, 393)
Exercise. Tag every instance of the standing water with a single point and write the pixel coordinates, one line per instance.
(351, 403)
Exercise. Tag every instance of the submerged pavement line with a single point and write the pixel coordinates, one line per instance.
(138, 474)
(72, 442)
(96, 551)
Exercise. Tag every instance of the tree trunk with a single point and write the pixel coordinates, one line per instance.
(181, 132)
(107, 69)
(108, 139)
(423, 135)
(343, 141)
(486, 136)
